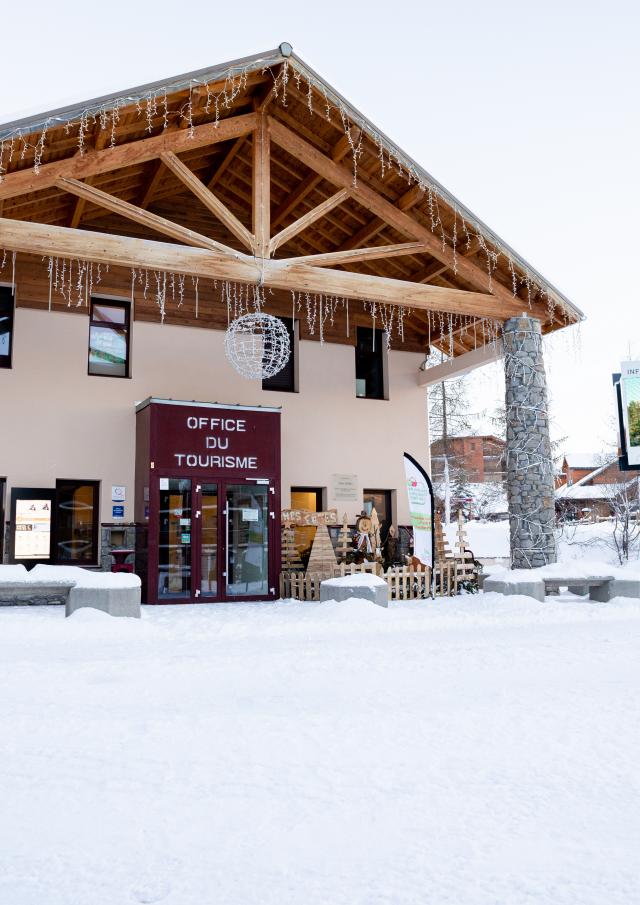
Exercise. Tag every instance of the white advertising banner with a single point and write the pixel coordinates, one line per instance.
(420, 493)
(32, 529)
(630, 389)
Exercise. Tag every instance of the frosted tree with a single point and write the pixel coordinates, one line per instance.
(449, 416)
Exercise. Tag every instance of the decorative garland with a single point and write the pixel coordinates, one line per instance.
(74, 279)
(149, 105)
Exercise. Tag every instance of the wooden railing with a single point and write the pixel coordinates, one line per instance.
(403, 583)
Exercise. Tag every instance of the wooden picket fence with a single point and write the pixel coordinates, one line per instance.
(403, 582)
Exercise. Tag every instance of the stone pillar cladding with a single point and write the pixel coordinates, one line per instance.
(529, 465)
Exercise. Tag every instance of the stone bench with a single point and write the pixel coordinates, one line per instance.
(114, 601)
(35, 593)
(595, 584)
(601, 588)
(369, 587)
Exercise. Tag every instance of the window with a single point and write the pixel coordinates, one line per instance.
(370, 363)
(109, 338)
(76, 522)
(286, 380)
(310, 498)
(6, 326)
(382, 502)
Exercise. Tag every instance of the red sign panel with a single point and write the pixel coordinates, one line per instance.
(230, 442)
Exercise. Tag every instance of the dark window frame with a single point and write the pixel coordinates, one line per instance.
(389, 496)
(108, 302)
(367, 353)
(7, 294)
(95, 526)
(275, 384)
(320, 493)
(3, 490)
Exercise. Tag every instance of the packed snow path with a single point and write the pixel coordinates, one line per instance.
(482, 750)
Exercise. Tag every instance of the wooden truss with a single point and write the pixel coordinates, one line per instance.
(260, 260)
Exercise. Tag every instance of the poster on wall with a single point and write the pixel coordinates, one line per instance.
(420, 494)
(118, 493)
(630, 390)
(344, 487)
(32, 529)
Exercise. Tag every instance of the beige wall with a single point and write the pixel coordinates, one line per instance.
(58, 422)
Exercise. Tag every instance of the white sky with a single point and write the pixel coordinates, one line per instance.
(528, 113)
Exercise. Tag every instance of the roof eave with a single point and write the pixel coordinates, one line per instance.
(264, 60)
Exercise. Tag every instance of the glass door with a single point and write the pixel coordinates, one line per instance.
(208, 546)
(247, 549)
(174, 541)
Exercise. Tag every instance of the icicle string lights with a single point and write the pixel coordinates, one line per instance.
(215, 96)
(75, 280)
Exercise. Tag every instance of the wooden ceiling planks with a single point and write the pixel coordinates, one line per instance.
(377, 211)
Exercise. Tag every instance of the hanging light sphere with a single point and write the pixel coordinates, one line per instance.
(257, 345)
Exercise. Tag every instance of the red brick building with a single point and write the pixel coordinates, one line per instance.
(481, 458)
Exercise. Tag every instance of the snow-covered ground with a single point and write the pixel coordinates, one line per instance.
(575, 542)
(476, 751)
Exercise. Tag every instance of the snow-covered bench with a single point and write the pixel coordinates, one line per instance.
(360, 584)
(19, 588)
(116, 594)
(591, 584)
(537, 583)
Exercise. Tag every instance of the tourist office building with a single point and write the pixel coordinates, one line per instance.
(218, 298)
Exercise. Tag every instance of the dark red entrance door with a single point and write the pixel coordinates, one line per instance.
(214, 540)
(213, 519)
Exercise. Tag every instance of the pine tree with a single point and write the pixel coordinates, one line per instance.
(345, 541)
(291, 561)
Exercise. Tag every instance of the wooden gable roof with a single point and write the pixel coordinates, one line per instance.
(257, 172)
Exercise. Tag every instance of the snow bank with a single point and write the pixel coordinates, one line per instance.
(13, 573)
(576, 542)
(485, 539)
(569, 569)
(84, 578)
(475, 750)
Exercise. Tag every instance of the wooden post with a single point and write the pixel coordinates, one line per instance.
(261, 188)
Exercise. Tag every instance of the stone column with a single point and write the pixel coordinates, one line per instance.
(529, 466)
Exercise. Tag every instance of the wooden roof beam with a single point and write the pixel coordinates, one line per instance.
(210, 201)
(216, 175)
(390, 213)
(353, 255)
(308, 184)
(145, 218)
(152, 185)
(261, 195)
(306, 220)
(93, 163)
(214, 263)
(371, 229)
